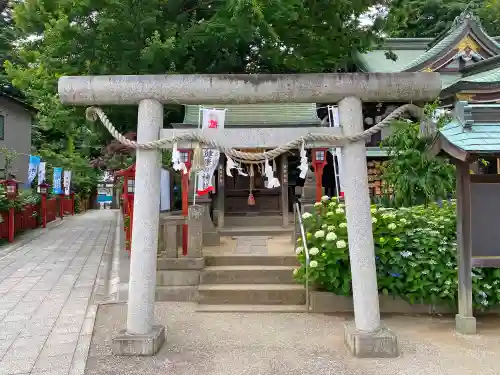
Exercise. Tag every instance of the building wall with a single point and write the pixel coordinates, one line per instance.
(16, 136)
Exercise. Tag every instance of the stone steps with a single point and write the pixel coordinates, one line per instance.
(254, 230)
(252, 308)
(251, 294)
(247, 274)
(251, 260)
(252, 220)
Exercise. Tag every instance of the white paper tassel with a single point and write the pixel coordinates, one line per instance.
(230, 164)
(272, 182)
(304, 166)
(177, 165)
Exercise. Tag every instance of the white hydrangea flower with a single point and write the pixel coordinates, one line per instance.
(331, 237)
(329, 213)
(374, 219)
(341, 205)
(341, 244)
(313, 264)
(339, 211)
(325, 198)
(373, 210)
(299, 250)
(319, 234)
(391, 226)
(330, 228)
(403, 221)
(306, 215)
(343, 225)
(332, 204)
(318, 204)
(295, 271)
(406, 254)
(314, 251)
(324, 226)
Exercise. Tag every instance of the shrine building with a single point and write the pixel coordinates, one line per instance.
(468, 60)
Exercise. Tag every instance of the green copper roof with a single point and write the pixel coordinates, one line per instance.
(489, 76)
(414, 53)
(261, 114)
(443, 45)
(462, 24)
(375, 61)
(472, 136)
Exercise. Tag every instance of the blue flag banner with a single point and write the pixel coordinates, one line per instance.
(33, 168)
(56, 183)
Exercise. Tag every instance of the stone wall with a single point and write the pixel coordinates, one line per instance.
(326, 302)
(178, 276)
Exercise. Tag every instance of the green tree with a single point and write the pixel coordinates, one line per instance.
(95, 37)
(411, 176)
(432, 18)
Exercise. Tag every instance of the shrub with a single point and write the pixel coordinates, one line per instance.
(415, 254)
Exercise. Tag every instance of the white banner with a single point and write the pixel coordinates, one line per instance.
(165, 190)
(41, 173)
(67, 182)
(337, 152)
(210, 119)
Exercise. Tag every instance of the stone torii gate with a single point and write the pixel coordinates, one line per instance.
(142, 336)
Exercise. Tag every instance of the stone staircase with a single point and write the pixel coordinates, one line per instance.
(252, 282)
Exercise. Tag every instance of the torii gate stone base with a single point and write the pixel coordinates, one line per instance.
(366, 337)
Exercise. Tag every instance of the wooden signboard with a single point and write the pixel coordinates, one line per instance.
(485, 220)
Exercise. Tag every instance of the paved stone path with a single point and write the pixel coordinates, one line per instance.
(256, 245)
(46, 288)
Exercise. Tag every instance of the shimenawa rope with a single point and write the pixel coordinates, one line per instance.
(94, 113)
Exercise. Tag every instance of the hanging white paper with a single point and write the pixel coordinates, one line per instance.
(337, 152)
(67, 182)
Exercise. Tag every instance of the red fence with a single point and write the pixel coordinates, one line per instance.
(52, 209)
(28, 217)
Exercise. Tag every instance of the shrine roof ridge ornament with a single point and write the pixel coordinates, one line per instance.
(249, 88)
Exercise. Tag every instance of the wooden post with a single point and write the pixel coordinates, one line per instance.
(221, 191)
(185, 192)
(11, 224)
(44, 210)
(284, 188)
(464, 321)
(61, 206)
(72, 204)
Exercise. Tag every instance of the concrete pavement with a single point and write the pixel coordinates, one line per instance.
(46, 296)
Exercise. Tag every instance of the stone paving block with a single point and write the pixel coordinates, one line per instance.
(58, 349)
(16, 365)
(67, 328)
(62, 361)
(16, 318)
(62, 338)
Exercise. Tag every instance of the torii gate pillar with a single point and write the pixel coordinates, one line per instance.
(366, 338)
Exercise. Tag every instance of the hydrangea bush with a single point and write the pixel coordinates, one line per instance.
(415, 254)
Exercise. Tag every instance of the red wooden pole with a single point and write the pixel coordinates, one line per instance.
(185, 192)
(61, 205)
(72, 204)
(44, 210)
(318, 171)
(11, 225)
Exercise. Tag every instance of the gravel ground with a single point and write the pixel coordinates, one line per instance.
(291, 344)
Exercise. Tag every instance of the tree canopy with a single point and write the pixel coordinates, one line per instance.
(95, 37)
(431, 18)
